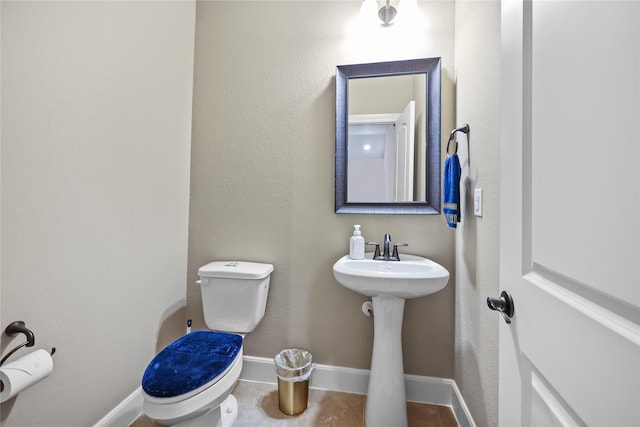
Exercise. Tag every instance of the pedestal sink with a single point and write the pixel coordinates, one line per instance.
(389, 283)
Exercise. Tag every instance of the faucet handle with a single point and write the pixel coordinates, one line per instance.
(376, 253)
(395, 250)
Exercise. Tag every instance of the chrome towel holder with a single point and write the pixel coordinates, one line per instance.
(464, 128)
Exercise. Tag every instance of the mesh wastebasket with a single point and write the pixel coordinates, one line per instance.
(294, 367)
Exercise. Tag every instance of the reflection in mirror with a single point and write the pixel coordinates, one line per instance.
(383, 138)
(388, 137)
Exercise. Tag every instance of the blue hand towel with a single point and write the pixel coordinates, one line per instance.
(451, 199)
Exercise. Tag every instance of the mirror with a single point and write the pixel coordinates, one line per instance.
(388, 137)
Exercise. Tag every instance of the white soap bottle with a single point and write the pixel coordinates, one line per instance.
(356, 244)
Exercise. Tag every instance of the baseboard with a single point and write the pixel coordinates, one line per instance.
(460, 409)
(422, 389)
(125, 413)
(436, 391)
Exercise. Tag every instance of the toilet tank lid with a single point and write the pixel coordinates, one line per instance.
(236, 270)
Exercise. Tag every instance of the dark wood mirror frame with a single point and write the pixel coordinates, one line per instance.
(428, 66)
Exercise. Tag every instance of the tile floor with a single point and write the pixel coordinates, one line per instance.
(258, 407)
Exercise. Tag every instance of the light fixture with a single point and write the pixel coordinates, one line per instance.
(369, 39)
(385, 10)
(386, 13)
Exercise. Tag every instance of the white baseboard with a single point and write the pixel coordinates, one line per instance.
(125, 413)
(436, 391)
(422, 389)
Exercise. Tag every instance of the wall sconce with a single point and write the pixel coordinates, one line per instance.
(369, 39)
(386, 10)
(386, 13)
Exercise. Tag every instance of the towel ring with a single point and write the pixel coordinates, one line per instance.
(451, 138)
(464, 128)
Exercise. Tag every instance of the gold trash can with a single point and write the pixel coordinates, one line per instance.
(294, 367)
(293, 396)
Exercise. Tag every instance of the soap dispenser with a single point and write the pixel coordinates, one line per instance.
(356, 244)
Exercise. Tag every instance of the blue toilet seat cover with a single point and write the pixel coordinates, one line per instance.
(190, 362)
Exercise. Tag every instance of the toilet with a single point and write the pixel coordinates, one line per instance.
(189, 382)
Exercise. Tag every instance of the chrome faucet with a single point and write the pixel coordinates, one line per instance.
(386, 256)
(387, 242)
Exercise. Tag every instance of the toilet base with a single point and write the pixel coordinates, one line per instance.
(222, 416)
(229, 411)
(213, 407)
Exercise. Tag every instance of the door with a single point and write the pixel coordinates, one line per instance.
(569, 234)
(405, 137)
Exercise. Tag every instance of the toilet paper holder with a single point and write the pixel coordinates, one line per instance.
(18, 327)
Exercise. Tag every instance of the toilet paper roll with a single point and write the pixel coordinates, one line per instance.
(24, 372)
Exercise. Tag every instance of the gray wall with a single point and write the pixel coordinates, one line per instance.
(478, 103)
(96, 127)
(262, 175)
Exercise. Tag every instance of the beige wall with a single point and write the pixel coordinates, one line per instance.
(96, 103)
(478, 103)
(262, 176)
(96, 125)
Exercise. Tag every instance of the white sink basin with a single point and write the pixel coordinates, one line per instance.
(411, 277)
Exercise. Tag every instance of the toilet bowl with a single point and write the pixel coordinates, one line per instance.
(189, 382)
(186, 383)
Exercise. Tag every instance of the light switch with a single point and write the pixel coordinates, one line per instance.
(477, 202)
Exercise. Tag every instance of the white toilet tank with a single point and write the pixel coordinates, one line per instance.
(234, 294)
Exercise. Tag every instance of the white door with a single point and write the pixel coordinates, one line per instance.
(570, 189)
(405, 136)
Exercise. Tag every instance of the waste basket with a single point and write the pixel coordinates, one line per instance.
(294, 367)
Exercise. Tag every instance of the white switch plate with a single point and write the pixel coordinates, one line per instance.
(477, 202)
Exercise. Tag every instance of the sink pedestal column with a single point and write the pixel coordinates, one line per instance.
(386, 402)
